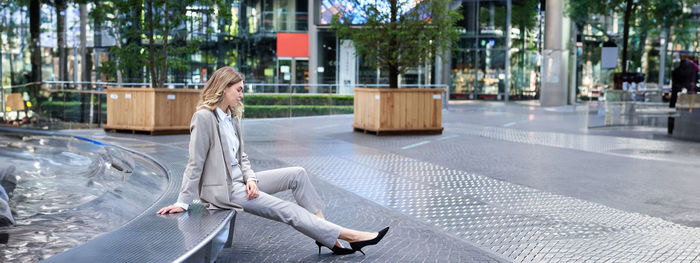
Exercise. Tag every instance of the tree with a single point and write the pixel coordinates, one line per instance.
(643, 14)
(8, 26)
(399, 40)
(122, 21)
(164, 23)
(580, 10)
(34, 22)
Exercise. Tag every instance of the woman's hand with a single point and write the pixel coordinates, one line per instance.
(170, 210)
(252, 189)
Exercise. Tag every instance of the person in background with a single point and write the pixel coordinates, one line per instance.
(682, 77)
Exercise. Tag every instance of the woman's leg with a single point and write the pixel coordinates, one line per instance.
(292, 214)
(295, 179)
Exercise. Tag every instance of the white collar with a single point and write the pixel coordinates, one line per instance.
(222, 115)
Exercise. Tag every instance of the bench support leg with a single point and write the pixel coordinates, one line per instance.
(203, 255)
(229, 241)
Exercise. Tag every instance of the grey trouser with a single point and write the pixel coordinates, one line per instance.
(302, 216)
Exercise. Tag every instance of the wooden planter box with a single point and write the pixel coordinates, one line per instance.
(398, 110)
(158, 110)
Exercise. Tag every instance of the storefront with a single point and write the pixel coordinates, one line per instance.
(481, 67)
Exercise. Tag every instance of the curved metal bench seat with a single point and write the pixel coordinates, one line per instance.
(183, 237)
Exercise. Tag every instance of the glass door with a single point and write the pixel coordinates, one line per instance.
(293, 71)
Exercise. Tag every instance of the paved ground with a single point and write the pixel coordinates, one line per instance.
(512, 182)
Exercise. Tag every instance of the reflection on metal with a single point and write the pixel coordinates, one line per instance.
(629, 113)
(69, 190)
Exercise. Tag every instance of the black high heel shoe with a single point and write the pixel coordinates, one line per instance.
(336, 249)
(357, 246)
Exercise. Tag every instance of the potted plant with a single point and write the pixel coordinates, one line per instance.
(397, 36)
(155, 109)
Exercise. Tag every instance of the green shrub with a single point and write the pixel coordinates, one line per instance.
(66, 110)
(256, 106)
(297, 99)
(281, 111)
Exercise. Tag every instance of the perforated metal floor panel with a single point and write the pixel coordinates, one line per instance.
(519, 222)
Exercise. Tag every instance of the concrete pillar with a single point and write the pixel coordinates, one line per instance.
(553, 91)
(313, 46)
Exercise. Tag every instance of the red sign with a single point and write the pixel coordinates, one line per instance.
(292, 45)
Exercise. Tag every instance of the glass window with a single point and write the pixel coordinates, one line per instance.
(492, 18)
(468, 22)
(491, 74)
(278, 15)
(463, 74)
(326, 57)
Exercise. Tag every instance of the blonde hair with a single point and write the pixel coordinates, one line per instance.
(213, 92)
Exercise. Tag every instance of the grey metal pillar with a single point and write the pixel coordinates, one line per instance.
(313, 46)
(556, 56)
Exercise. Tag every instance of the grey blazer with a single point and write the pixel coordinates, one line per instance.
(208, 172)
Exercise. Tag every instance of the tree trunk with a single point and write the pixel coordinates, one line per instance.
(86, 99)
(164, 62)
(136, 22)
(34, 22)
(117, 61)
(86, 66)
(151, 44)
(220, 52)
(393, 76)
(61, 39)
(629, 8)
(4, 19)
(642, 47)
(523, 50)
(662, 57)
(393, 68)
(97, 42)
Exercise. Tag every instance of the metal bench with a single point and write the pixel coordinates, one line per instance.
(183, 237)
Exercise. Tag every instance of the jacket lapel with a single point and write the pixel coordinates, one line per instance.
(224, 148)
(237, 127)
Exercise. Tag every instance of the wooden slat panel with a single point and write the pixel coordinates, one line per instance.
(416, 109)
(176, 111)
(149, 109)
(397, 109)
(394, 120)
(141, 110)
(426, 110)
(436, 117)
(402, 110)
(376, 114)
